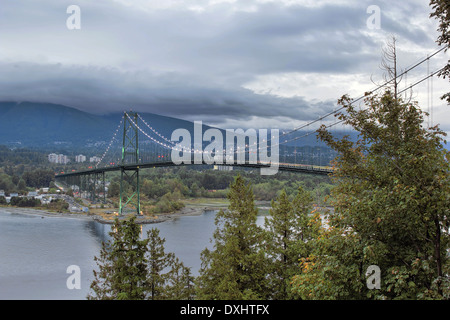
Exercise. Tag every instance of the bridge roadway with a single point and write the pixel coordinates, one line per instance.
(301, 168)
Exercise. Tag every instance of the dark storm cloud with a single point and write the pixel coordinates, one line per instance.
(109, 90)
(185, 63)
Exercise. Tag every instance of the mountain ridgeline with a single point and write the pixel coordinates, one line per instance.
(49, 126)
(58, 128)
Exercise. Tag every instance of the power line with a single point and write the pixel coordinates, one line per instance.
(370, 92)
(338, 122)
(422, 80)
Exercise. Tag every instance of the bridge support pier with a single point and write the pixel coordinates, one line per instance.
(127, 199)
(130, 155)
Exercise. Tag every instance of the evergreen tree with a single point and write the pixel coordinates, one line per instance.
(288, 231)
(122, 264)
(180, 283)
(134, 269)
(158, 262)
(308, 219)
(280, 245)
(235, 268)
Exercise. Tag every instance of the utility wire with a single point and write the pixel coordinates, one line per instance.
(373, 90)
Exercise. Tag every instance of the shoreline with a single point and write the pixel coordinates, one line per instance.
(190, 209)
(186, 211)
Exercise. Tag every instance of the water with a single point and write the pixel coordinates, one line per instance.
(35, 252)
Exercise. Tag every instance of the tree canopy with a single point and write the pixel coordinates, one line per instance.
(391, 208)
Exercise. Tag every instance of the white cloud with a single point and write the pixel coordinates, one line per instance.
(311, 86)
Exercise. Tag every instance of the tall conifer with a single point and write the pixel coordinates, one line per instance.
(235, 268)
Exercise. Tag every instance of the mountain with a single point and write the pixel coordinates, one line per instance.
(47, 126)
(60, 128)
(44, 124)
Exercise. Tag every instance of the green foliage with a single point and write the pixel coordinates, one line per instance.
(170, 202)
(22, 186)
(38, 178)
(24, 202)
(181, 283)
(158, 262)
(288, 232)
(189, 183)
(441, 12)
(235, 269)
(69, 192)
(113, 189)
(10, 157)
(267, 190)
(167, 277)
(122, 265)
(214, 184)
(6, 183)
(58, 205)
(391, 208)
(131, 268)
(19, 170)
(247, 262)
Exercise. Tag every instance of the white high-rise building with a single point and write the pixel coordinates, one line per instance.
(58, 158)
(53, 158)
(80, 158)
(63, 159)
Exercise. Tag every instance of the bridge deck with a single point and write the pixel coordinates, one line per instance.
(322, 170)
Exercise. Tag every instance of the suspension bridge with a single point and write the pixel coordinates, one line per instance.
(137, 145)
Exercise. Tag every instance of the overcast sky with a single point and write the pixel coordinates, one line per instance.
(231, 63)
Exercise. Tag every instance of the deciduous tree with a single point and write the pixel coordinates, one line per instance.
(391, 204)
(441, 12)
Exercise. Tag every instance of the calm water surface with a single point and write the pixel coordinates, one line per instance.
(35, 252)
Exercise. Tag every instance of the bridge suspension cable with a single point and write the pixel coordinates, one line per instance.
(111, 142)
(154, 131)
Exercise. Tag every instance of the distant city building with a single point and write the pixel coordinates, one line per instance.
(58, 158)
(80, 158)
(223, 168)
(94, 159)
(53, 158)
(63, 159)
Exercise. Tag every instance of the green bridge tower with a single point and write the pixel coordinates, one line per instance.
(129, 196)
